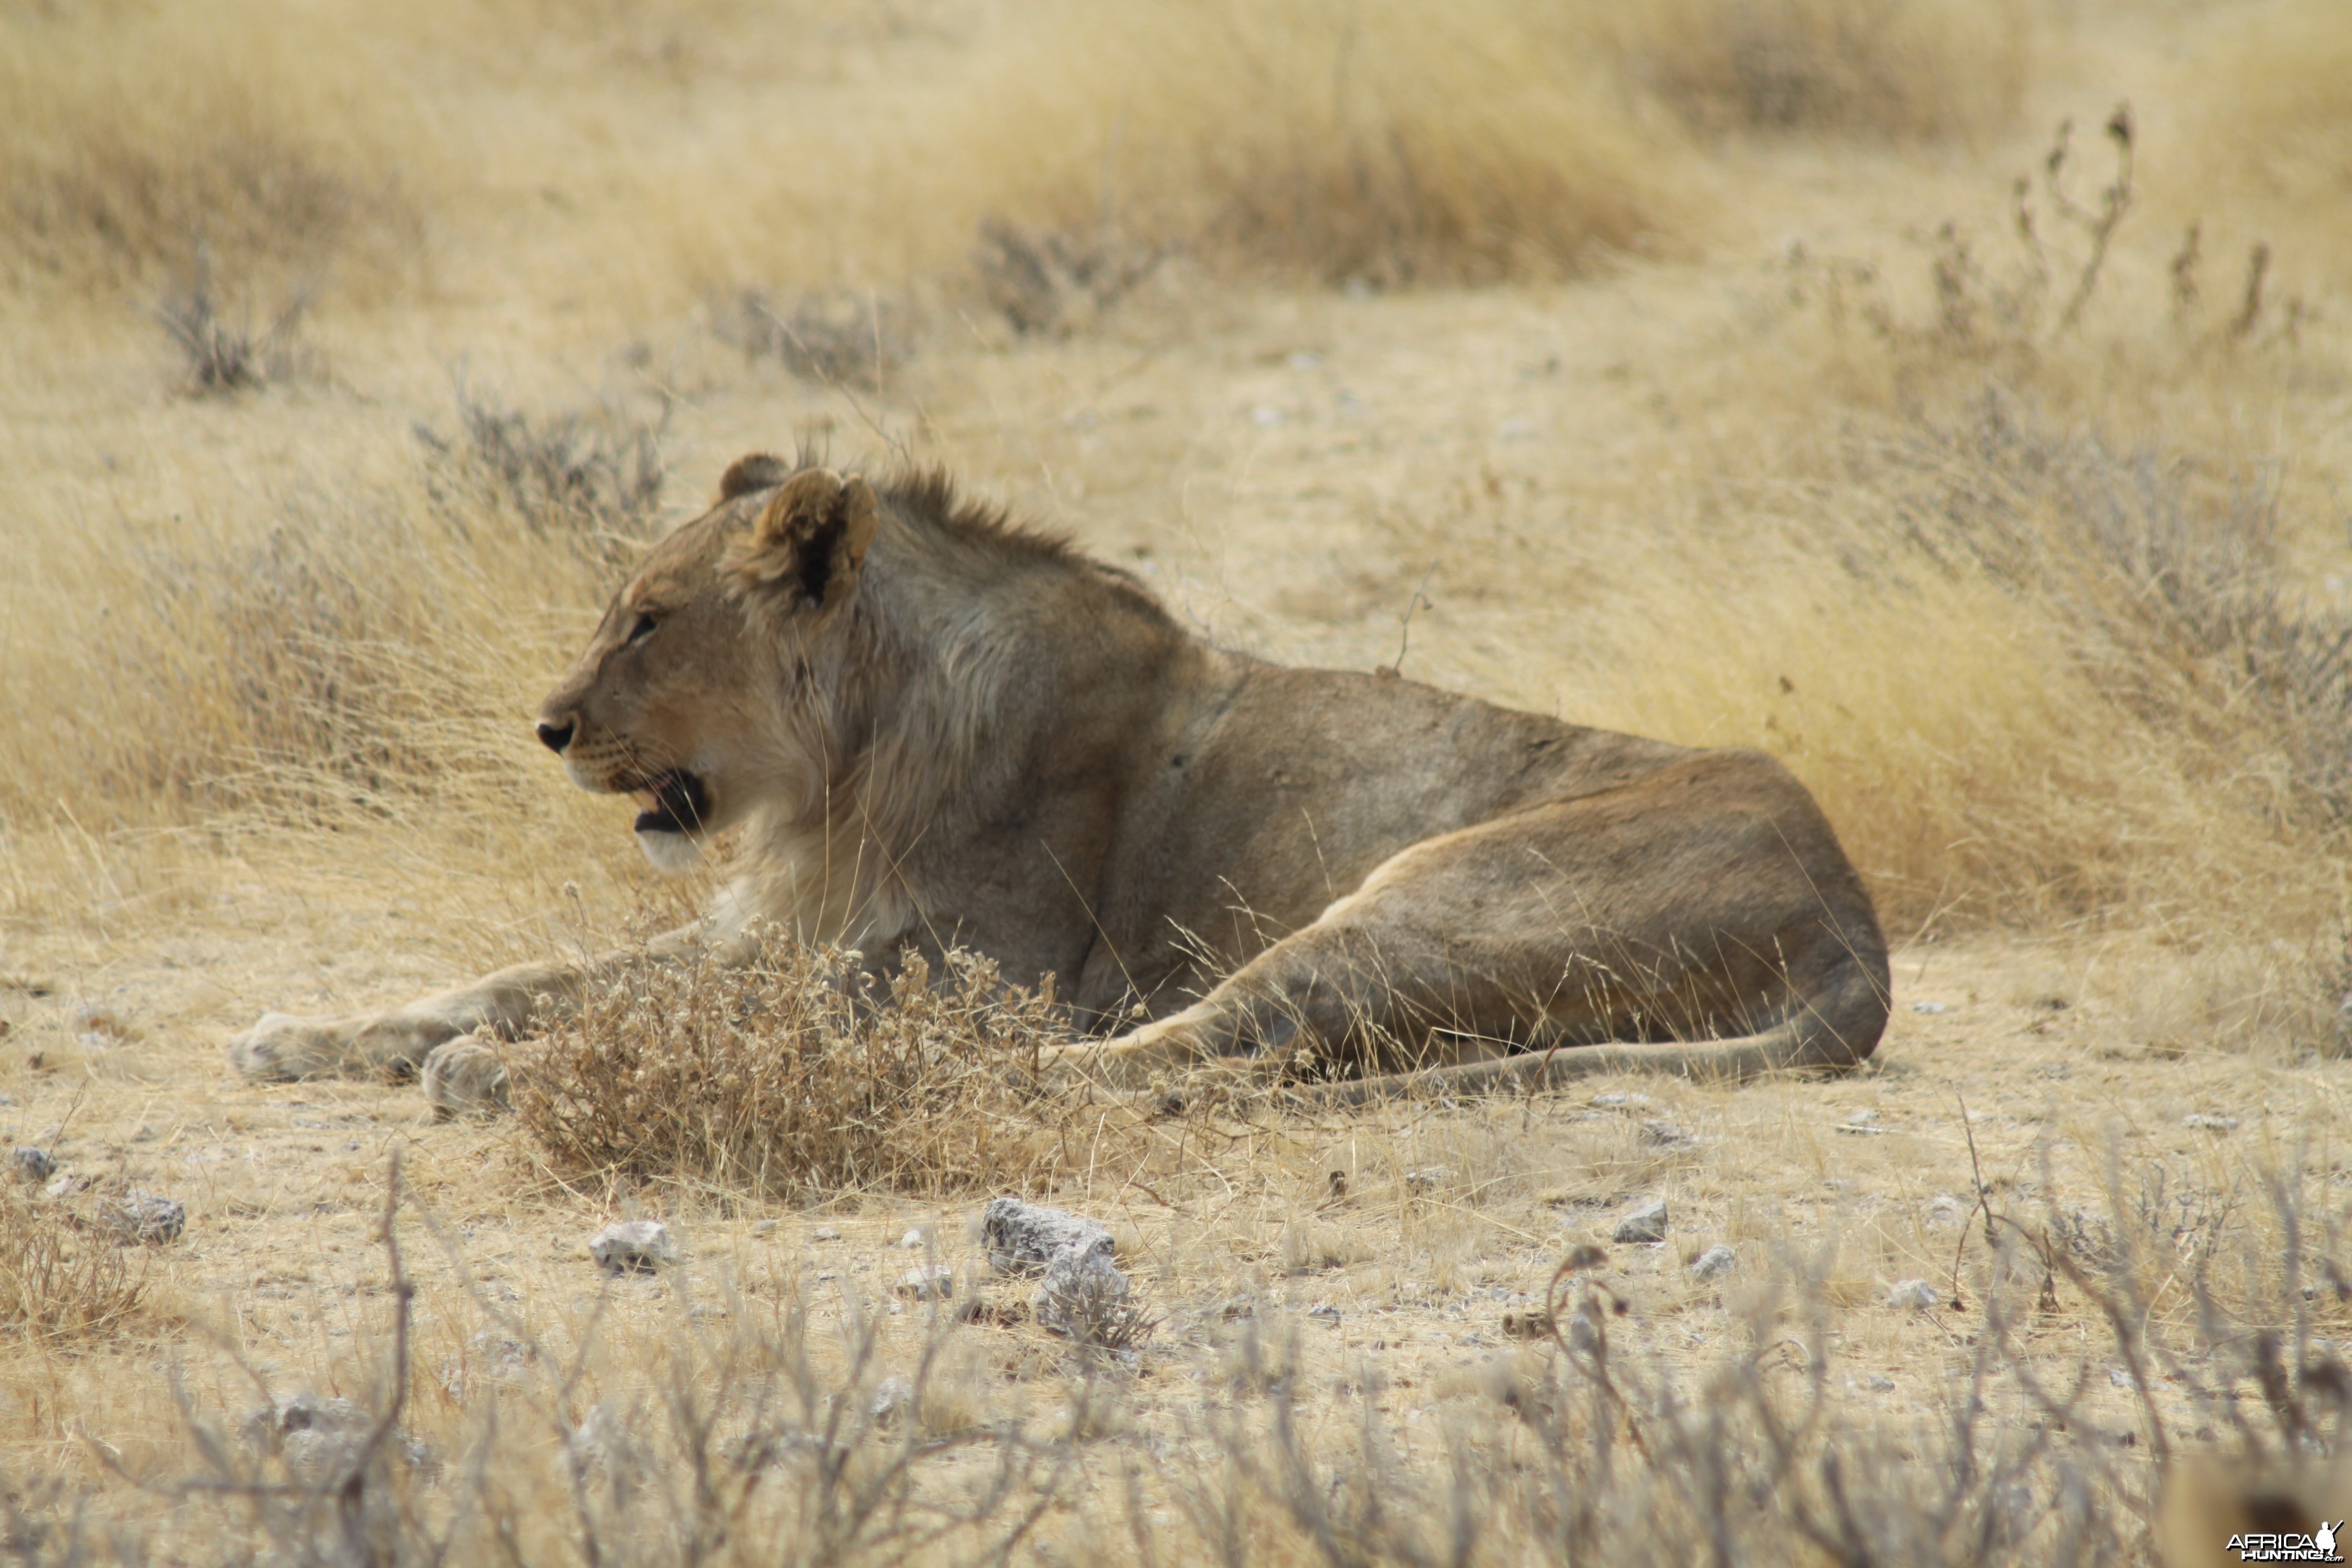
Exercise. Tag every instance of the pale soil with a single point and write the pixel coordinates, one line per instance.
(284, 1186)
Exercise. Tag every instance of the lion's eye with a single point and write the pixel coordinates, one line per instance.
(643, 629)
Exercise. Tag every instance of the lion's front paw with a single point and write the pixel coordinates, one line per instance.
(284, 1046)
(466, 1078)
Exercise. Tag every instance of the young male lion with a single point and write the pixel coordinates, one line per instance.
(930, 728)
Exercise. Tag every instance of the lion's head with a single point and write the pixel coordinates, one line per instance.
(676, 699)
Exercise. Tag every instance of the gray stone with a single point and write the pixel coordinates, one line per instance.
(33, 1165)
(1648, 1223)
(1665, 1135)
(633, 1245)
(149, 1218)
(1715, 1262)
(1427, 1180)
(935, 1282)
(1023, 1239)
(1912, 1295)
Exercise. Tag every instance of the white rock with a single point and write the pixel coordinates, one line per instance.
(1665, 1135)
(633, 1245)
(893, 1397)
(1945, 1211)
(1024, 1238)
(149, 1218)
(824, 1232)
(916, 1239)
(1645, 1224)
(1930, 1008)
(935, 1282)
(1619, 1102)
(1912, 1295)
(763, 1227)
(1715, 1262)
(2200, 1120)
(1427, 1180)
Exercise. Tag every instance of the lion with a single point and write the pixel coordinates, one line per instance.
(923, 726)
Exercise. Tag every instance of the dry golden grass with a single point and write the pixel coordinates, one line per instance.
(1735, 442)
(63, 1278)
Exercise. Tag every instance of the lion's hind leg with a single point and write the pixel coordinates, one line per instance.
(1700, 920)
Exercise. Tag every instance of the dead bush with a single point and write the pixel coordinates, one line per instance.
(1050, 282)
(222, 357)
(836, 338)
(593, 478)
(803, 1075)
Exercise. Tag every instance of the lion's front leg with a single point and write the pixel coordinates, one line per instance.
(1201, 1036)
(508, 1004)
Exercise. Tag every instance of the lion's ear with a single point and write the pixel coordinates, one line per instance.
(810, 540)
(760, 472)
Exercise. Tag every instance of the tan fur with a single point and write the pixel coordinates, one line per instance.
(927, 728)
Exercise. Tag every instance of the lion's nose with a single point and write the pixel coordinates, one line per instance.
(555, 737)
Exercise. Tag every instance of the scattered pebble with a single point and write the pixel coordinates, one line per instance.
(67, 1186)
(763, 1227)
(633, 1245)
(1862, 1123)
(1715, 1262)
(916, 1239)
(98, 1028)
(150, 1219)
(893, 1397)
(1528, 1325)
(1930, 1007)
(1645, 1224)
(1619, 1102)
(2199, 1119)
(824, 1232)
(1325, 1313)
(1427, 1180)
(32, 1164)
(1912, 1295)
(1265, 416)
(1945, 1211)
(932, 1282)
(1665, 1135)
(1881, 1383)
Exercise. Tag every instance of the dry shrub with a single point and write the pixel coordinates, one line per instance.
(1920, 69)
(61, 1280)
(1386, 143)
(803, 1074)
(2034, 678)
(128, 133)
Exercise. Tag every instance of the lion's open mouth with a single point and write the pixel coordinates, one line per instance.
(675, 802)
